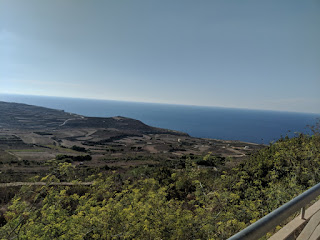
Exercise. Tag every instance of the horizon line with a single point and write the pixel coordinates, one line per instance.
(162, 103)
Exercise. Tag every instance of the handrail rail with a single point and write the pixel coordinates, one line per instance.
(273, 219)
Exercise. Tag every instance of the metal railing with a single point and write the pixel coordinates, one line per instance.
(273, 219)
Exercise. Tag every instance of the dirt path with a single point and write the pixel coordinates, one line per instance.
(16, 184)
(91, 132)
(64, 123)
(240, 154)
(16, 156)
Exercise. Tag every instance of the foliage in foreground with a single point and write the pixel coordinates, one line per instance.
(164, 203)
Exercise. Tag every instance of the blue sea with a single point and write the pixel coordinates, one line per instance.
(255, 126)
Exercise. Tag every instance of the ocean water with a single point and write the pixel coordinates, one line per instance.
(206, 122)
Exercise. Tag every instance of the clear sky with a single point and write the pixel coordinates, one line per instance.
(243, 54)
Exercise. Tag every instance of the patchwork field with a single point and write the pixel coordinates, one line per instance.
(31, 137)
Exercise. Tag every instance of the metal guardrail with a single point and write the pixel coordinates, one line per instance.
(273, 219)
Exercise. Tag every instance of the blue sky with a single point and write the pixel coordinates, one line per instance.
(242, 54)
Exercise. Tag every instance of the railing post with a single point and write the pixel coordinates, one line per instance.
(303, 211)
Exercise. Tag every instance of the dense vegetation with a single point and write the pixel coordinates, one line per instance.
(204, 197)
(70, 158)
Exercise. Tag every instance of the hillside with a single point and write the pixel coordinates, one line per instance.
(117, 178)
(23, 116)
(31, 137)
(175, 199)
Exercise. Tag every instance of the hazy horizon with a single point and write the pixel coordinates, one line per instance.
(157, 103)
(251, 55)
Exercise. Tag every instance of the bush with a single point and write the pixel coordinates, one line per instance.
(79, 158)
(78, 149)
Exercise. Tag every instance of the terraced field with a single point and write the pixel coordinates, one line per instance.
(31, 137)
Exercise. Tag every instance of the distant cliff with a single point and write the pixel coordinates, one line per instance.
(23, 116)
